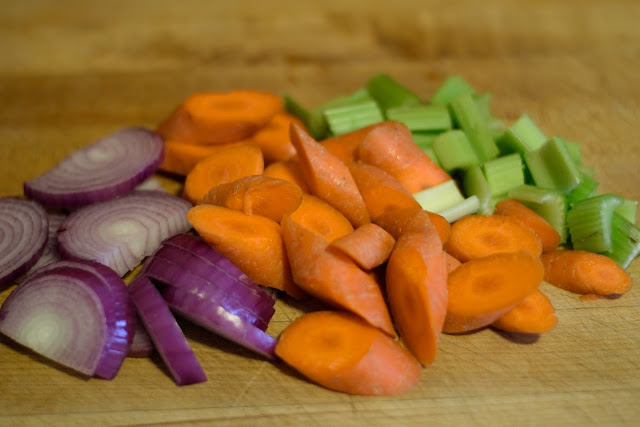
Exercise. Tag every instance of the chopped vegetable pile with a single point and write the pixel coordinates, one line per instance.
(404, 218)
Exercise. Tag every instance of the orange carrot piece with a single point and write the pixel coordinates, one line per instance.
(368, 245)
(333, 277)
(379, 190)
(345, 146)
(273, 138)
(483, 289)
(339, 351)
(321, 218)
(583, 272)
(452, 262)
(289, 170)
(548, 235)
(220, 117)
(329, 178)
(257, 195)
(416, 281)
(253, 243)
(391, 148)
(477, 236)
(398, 221)
(180, 157)
(226, 165)
(533, 315)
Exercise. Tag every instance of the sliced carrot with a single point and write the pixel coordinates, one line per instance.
(380, 191)
(220, 117)
(483, 289)
(329, 178)
(416, 280)
(398, 221)
(533, 315)
(583, 272)
(452, 262)
(391, 148)
(333, 277)
(321, 218)
(253, 243)
(225, 165)
(368, 245)
(274, 140)
(180, 157)
(345, 146)
(548, 235)
(289, 170)
(257, 195)
(476, 236)
(339, 351)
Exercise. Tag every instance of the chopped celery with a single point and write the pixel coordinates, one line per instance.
(475, 184)
(353, 116)
(496, 126)
(521, 137)
(585, 170)
(454, 150)
(468, 206)
(551, 166)
(583, 191)
(418, 118)
(628, 210)
(574, 150)
(424, 139)
(356, 97)
(468, 118)
(439, 197)
(589, 222)
(450, 89)
(388, 93)
(432, 155)
(503, 174)
(625, 241)
(550, 204)
(313, 119)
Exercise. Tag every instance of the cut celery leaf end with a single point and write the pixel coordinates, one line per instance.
(439, 197)
(552, 205)
(590, 222)
(468, 206)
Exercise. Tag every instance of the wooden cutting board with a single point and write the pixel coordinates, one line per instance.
(73, 71)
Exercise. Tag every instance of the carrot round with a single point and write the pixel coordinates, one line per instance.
(333, 277)
(483, 289)
(548, 235)
(321, 218)
(477, 236)
(180, 157)
(329, 178)
(289, 170)
(398, 221)
(368, 245)
(583, 272)
(220, 117)
(257, 195)
(416, 281)
(533, 315)
(345, 146)
(339, 351)
(253, 243)
(225, 165)
(391, 148)
(273, 138)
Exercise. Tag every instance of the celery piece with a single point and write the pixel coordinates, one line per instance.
(353, 116)
(388, 93)
(313, 119)
(468, 206)
(551, 166)
(503, 174)
(583, 191)
(454, 150)
(450, 89)
(467, 116)
(356, 97)
(628, 210)
(439, 197)
(625, 241)
(521, 137)
(424, 139)
(550, 204)
(585, 170)
(432, 155)
(589, 222)
(428, 118)
(496, 125)
(475, 184)
(575, 151)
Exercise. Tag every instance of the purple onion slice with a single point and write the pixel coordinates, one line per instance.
(23, 236)
(106, 169)
(141, 346)
(165, 332)
(50, 253)
(120, 233)
(205, 312)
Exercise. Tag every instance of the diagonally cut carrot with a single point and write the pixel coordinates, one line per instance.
(533, 315)
(321, 218)
(289, 170)
(345, 146)
(368, 245)
(180, 157)
(548, 235)
(274, 140)
(399, 221)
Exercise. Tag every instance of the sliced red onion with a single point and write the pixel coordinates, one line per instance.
(23, 235)
(120, 233)
(165, 333)
(50, 253)
(106, 169)
(205, 312)
(141, 346)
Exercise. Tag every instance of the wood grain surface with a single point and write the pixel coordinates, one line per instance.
(73, 71)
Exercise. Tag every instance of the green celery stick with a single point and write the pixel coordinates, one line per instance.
(454, 150)
(344, 119)
(550, 204)
(475, 184)
(439, 197)
(628, 210)
(503, 174)
(589, 222)
(625, 240)
(551, 167)
(467, 116)
(468, 206)
(583, 191)
(521, 137)
(450, 89)
(421, 118)
(424, 139)
(432, 155)
(313, 119)
(388, 93)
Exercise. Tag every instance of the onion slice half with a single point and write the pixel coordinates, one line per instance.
(23, 236)
(106, 169)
